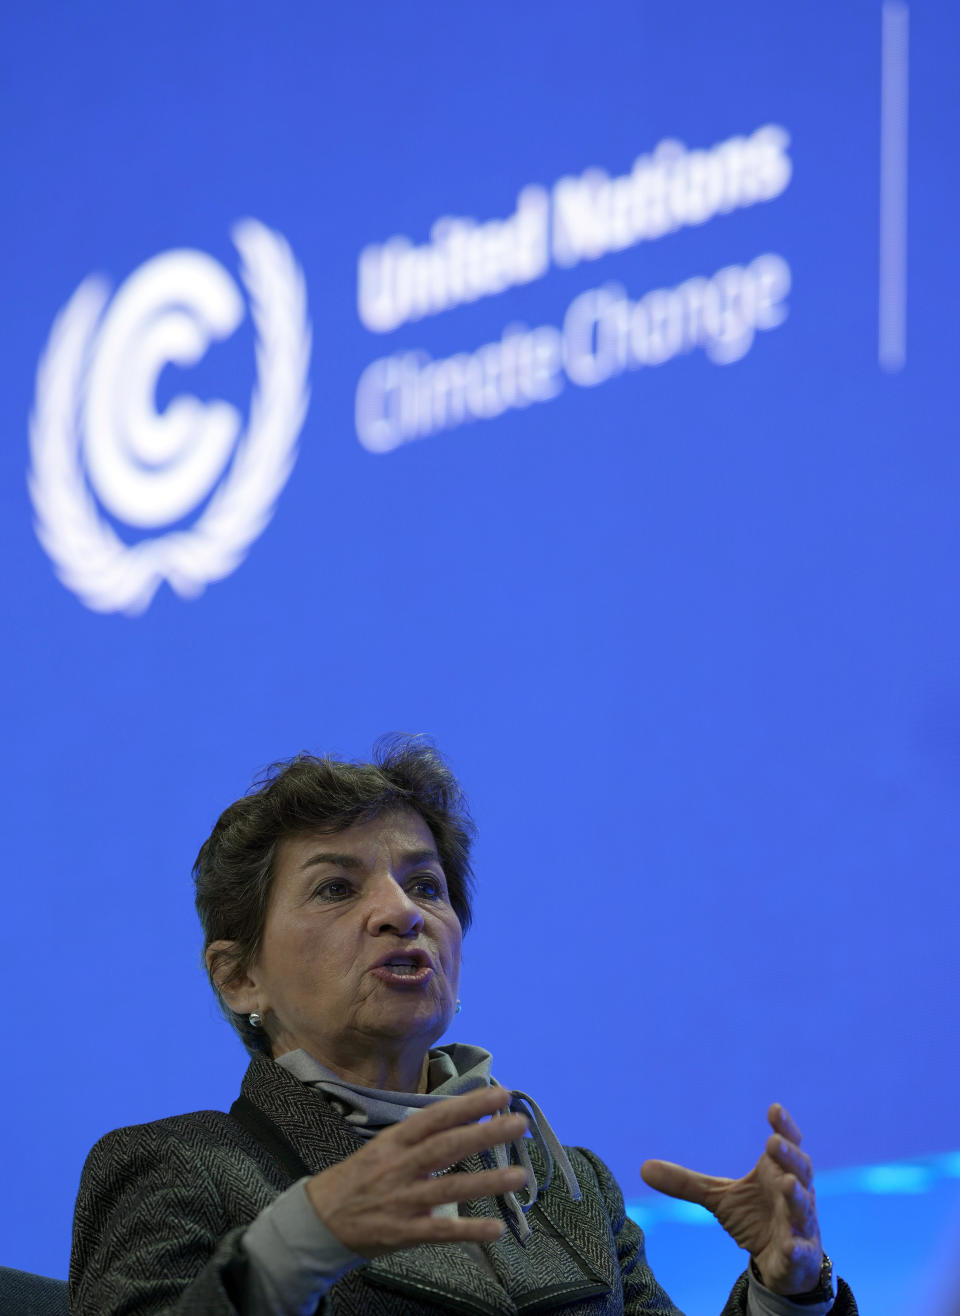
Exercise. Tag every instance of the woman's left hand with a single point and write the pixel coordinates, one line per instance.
(771, 1212)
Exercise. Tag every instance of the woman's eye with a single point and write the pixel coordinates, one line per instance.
(335, 890)
(431, 887)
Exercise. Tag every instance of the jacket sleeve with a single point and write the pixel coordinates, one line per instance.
(150, 1237)
(845, 1303)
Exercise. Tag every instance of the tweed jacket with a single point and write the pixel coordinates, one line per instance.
(162, 1209)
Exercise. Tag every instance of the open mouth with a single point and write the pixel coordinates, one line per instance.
(404, 969)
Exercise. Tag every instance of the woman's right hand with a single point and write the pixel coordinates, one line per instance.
(380, 1199)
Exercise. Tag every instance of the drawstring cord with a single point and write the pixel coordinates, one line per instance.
(550, 1149)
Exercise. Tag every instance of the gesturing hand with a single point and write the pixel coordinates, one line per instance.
(380, 1198)
(771, 1211)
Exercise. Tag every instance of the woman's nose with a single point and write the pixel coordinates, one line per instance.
(392, 910)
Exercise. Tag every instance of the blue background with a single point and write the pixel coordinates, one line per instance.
(689, 638)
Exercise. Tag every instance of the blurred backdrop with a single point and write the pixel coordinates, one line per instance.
(572, 385)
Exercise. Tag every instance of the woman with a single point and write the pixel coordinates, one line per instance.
(360, 1171)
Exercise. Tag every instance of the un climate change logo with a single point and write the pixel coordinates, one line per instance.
(97, 442)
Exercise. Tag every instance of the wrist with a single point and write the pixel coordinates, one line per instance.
(824, 1290)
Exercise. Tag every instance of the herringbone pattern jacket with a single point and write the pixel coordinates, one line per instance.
(162, 1209)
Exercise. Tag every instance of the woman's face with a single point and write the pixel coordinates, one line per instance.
(360, 960)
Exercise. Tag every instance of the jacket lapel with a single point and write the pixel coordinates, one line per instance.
(317, 1134)
(554, 1266)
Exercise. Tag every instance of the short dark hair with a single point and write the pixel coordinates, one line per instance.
(234, 870)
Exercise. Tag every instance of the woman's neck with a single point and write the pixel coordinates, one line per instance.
(383, 1073)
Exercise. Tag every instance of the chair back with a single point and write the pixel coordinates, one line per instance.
(23, 1294)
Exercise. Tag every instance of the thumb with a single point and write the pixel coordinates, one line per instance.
(677, 1181)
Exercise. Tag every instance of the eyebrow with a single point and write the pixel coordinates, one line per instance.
(409, 859)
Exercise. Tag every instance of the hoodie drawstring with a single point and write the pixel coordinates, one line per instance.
(550, 1149)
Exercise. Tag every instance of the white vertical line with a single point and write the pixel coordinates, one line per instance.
(895, 50)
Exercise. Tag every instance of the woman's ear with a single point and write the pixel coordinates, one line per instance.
(238, 990)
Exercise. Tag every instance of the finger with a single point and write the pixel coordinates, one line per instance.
(801, 1209)
(780, 1119)
(803, 1213)
(790, 1158)
(452, 1145)
(467, 1187)
(472, 1106)
(677, 1181)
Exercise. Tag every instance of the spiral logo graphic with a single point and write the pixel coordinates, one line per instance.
(98, 443)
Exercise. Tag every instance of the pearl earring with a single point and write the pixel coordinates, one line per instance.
(459, 1006)
(256, 1021)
